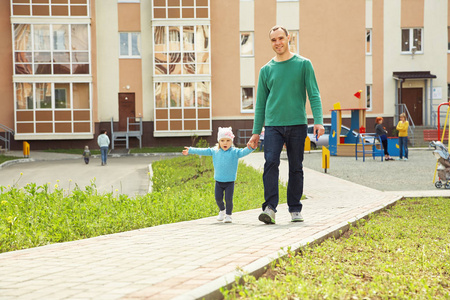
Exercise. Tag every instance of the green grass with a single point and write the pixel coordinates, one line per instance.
(401, 253)
(4, 158)
(183, 189)
(157, 149)
(73, 151)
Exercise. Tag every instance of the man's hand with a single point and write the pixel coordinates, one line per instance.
(319, 130)
(253, 142)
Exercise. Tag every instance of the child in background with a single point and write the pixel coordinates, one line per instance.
(86, 154)
(225, 160)
(402, 128)
(381, 132)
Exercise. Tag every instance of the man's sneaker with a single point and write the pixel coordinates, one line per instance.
(296, 217)
(228, 219)
(267, 216)
(405, 159)
(221, 216)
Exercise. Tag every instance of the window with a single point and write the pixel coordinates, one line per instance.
(412, 40)
(247, 100)
(181, 50)
(369, 41)
(51, 49)
(247, 44)
(24, 95)
(369, 97)
(293, 43)
(130, 44)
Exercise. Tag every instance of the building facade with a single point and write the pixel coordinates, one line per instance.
(186, 67)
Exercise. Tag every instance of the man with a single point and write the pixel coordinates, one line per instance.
(280, 107)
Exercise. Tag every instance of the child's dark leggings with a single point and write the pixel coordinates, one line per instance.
(228, 188)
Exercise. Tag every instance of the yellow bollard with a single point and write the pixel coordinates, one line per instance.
(307, 144)
(325, 158)
(26, 149)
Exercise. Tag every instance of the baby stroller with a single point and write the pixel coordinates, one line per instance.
(441, 153)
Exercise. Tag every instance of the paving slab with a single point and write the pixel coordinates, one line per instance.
(187, 260)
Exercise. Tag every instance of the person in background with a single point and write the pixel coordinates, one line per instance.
(86, 154)
(103, 143)
(225, 160)
(381, 132)
(402, 128)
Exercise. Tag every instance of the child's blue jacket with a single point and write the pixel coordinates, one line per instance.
(225, 162)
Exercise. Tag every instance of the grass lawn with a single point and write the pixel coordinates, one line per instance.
(183, 189)
(4, 158)
(401, 253)
(73, 151)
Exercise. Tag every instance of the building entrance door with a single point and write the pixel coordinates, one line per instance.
(126, 109)
(413, 98)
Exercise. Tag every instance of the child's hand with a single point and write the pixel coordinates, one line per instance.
(185, 151)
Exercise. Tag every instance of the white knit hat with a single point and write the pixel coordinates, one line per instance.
(225, 132)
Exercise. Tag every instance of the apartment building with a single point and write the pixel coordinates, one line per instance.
(185, 67)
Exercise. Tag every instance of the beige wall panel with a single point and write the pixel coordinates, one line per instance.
(246, 15)
(248, 71)
(369, 13)
(147, 61)
(94, 58)
(265, 18)
(336, 48)
(129, 16)
(377, 58)
(225, 58)
(130, 74)
(412, 13)
(434, 58)
(287, 15)
(108, 60)
(6, 86)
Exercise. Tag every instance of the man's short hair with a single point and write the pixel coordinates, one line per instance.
(276, 27)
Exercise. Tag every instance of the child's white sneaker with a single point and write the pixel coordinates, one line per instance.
(228, 219)
(221, 216)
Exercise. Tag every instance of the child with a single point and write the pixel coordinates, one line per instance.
(402, 128)
(381, 132)
(86, 154)
(225, 160)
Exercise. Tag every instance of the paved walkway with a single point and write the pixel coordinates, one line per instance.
(187, 260)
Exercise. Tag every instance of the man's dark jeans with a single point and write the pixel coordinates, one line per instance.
(274, 139)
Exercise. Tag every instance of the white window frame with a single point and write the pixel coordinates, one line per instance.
(410, 41)
(368, 90)
(243, 110)
(252, 35)
(370, 35)
(128, 1)
(130, 45)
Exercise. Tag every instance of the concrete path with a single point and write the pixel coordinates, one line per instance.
(187, 260)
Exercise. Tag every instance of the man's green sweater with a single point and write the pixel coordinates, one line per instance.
(281, 95)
